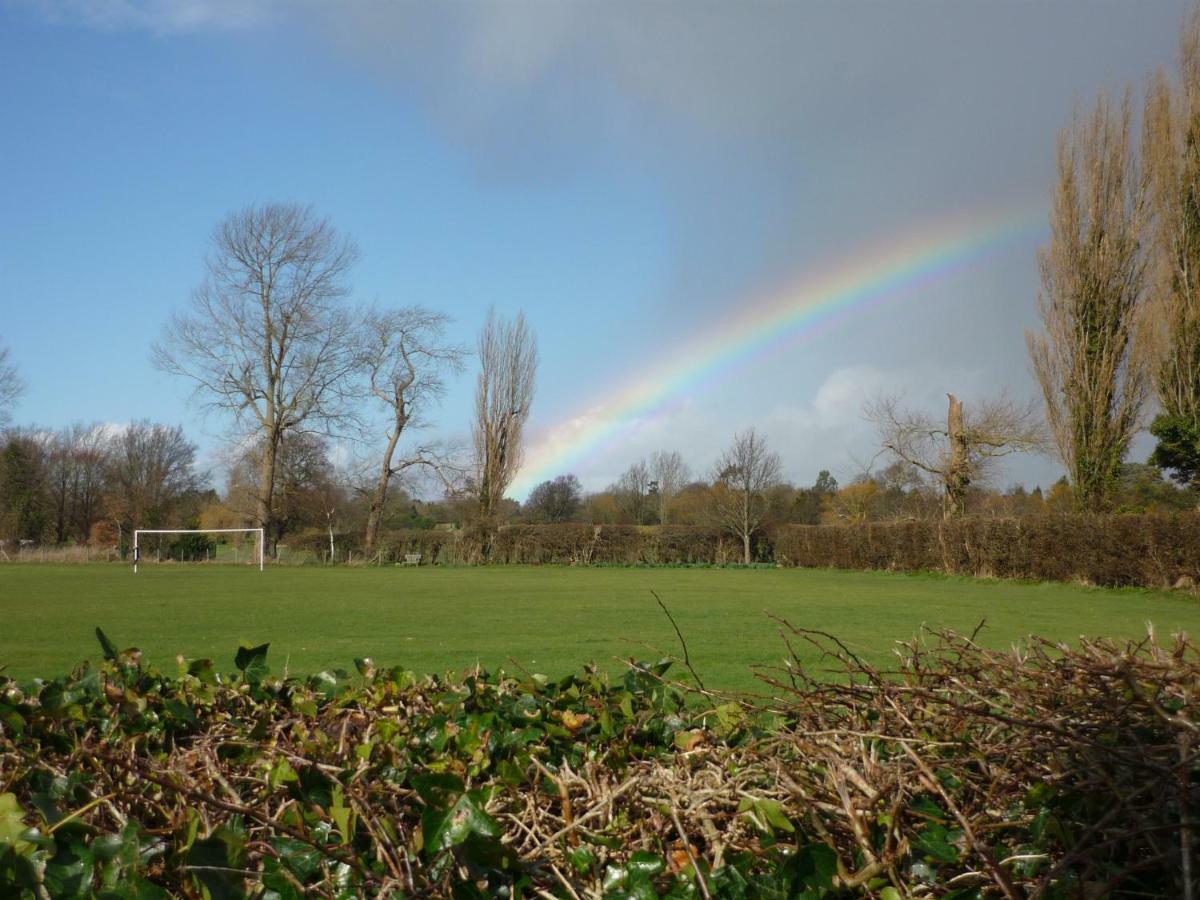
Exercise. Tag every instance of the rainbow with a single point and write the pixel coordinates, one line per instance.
(814, 303)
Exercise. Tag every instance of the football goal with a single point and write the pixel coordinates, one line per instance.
(260, 556)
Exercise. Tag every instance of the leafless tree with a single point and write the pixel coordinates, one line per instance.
(151, 470)
(404, 358)
(77, 478)
(11, 386)
(267, 337)
(961, 452)
(306, 483)
(503, 394)
(743, 476)
(670, 473)
(633, 490)
(1093, 274)
(1171, 158)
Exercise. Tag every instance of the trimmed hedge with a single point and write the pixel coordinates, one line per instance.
(1116, 550)
(569, 544)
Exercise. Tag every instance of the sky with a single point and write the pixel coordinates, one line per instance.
(713, 215)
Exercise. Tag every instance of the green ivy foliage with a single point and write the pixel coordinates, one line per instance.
(119, 781)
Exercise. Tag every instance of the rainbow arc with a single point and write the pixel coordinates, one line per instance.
(814, 302)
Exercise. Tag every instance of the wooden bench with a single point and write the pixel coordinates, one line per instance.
(411, 559)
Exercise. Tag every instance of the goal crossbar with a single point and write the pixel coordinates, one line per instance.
(140, 531)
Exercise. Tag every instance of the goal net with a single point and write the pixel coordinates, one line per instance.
(202, 549)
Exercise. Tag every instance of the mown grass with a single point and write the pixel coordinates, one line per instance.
(548, 619)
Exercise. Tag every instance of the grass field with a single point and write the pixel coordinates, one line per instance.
(550, 619)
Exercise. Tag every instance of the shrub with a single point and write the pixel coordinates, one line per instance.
(191, 547)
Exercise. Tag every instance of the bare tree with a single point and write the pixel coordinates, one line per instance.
(11, 386)
(404, 358)
(266, 336)
(1093, 274)
(633, 491)
(503, 394)
(669, 473)
(743, 476)
(962, 452)
(151, 470)
(1171, 159)
(77, 479)
(305, 484)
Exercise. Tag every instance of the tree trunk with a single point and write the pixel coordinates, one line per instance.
(379, 500)
(266, 484)
(747, 489)
(958, 472)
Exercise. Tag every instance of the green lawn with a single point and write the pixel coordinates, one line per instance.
(549, 619)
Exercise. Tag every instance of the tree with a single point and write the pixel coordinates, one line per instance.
(1178, 448)
(503, 394)
(856, 502)
(23, 468)
(1093, 275)
(404, 358)
(962, 452)
(151, 472)
(633, 491)
(11, 386)
(808, 502)
(77, 480)
(303, 484)
(743, 475)
(266, 337)
(825, 483)
(669, 473)
(1171, 154)
(555, 501)
(1142, 488)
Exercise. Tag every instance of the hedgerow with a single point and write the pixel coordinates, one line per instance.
(1114, 550)
(961, 772)
(1117, 550)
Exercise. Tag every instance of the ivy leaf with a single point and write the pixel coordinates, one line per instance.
(107, 646)
(252, 662)
(69, 873)
(366, 667)
(934, 842)
(449, 826)
(341, 814)
(297, 857)
(812, 867)
(12, 824)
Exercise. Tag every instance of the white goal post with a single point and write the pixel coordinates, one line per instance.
(258, 531)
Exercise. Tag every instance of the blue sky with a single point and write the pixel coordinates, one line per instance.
(627, 174)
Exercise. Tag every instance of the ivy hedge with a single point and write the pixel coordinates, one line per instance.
(960, 773)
